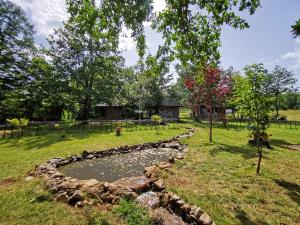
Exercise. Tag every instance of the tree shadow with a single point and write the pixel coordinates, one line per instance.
(278, 142)
(293, 189)
(244, 219)
(246, 151)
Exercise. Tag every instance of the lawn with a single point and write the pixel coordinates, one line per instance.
(220, 177)
(292, 115)
(28, 203)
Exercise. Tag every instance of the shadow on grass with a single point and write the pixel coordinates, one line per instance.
(42, 141)
(278, 142)
(246, 151)
(293, 189)
(244, 219)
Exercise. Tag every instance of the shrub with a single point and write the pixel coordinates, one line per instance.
(67, 120)
(19, 123)
(157, 120)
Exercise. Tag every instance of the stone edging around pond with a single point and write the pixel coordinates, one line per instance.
(93, 192)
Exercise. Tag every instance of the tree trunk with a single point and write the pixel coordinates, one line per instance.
(259, 147)
(87, 106)
(210, 125)
(276, 106)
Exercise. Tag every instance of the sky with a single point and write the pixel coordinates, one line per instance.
(268, 40)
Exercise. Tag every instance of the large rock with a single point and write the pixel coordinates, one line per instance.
(149, 199)
(150, 171)
(136, 184)
(159, 184)
(164, 217)
(164, 165)
(205, 219)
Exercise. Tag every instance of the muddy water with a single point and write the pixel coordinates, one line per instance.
(117, 166)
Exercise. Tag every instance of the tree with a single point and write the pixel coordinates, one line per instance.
(85, 51)
(67, 120)
(254, 102)
(296, 29)
(280, 81)
(192, 29)
(16, 47)
(210, 90)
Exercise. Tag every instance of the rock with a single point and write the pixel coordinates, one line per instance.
(90, 183)
(29, 178)
(185, 208)
(62, 197)
(84, 154)
(164, 165)
(180, 202)
(164, 217)
(149, 199)
(164, 200)
(175, 198)
(150, 171)
(179, 156)
(171, 160)
(79, 204)
(136, 184)
(129, 195)
(76, 197)
(90, 156)
(205, 219)
(56, 175)
(198, 212)
(159, 185)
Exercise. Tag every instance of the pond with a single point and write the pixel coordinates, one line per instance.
(118, 166)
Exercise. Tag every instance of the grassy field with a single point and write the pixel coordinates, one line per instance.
(28, 203)
(292, 115)
(220, 177)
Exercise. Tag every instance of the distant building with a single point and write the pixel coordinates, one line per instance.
(169, 108)
(218, 112)
(104, 111)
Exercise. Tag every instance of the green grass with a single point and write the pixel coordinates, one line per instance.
(133, 214)
(28, 202)
(220, 178)
(292, 115)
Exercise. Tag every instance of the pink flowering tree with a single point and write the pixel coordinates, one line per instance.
(210, 89)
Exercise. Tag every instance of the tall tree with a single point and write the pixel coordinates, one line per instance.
(85, 50)
(192, 28)
(254, 102)
(16, 46)
(296, 29)
(280, 81)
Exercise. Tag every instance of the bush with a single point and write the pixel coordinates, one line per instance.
(67, 120)
(19, 123)
(157, 120)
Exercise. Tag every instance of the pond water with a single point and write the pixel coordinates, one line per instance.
(117, 166)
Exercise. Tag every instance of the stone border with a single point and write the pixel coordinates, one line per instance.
(93, 192)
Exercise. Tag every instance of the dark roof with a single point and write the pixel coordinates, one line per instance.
(169, 102)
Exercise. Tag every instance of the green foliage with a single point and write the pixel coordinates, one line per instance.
(67, 119)
(156, 119)
(296, 29)
(22, 122)
(254, 101)
(132, 213)
(16, 47)
(192, 29)
(280, 81)
(252, 97)
(14, 122)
